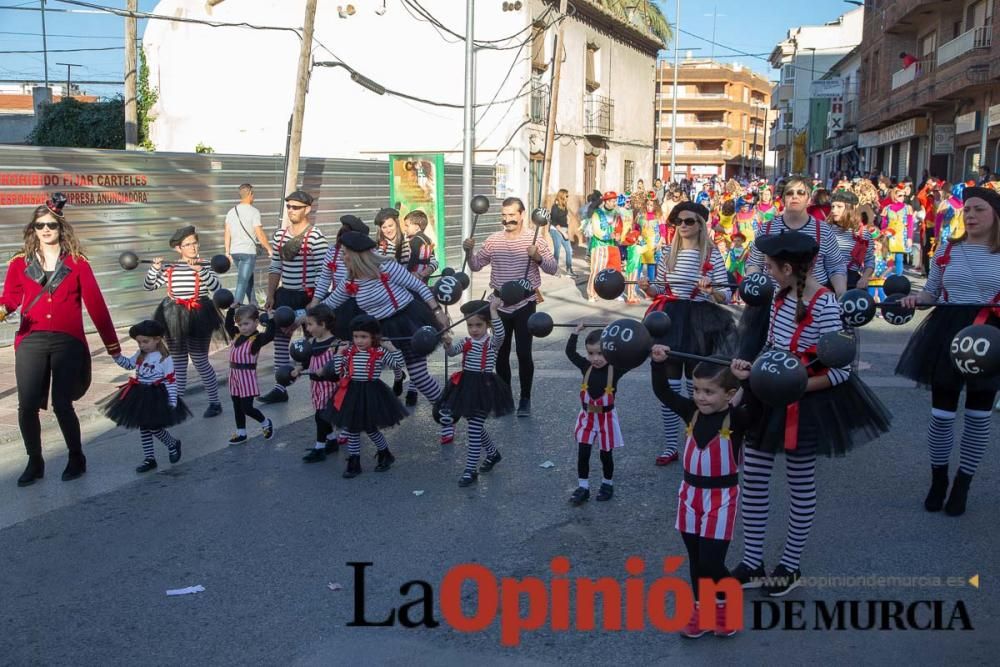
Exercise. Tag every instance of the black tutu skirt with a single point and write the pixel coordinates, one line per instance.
(751, 332)
(367, 406)
(476, 394)
(406, 321)
(143, 406)
(927, 357)
(205, 321)
(831, 421)
(343, 314)
(699, 327)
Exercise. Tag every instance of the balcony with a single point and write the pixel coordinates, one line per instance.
(977, 38)
(697, 131)
(598, 116)
(913, 72)
(539, 109)
(784, 92)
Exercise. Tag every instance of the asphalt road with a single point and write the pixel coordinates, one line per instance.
(85, 566)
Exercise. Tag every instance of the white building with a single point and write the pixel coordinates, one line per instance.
(803, 57)
(232, 88)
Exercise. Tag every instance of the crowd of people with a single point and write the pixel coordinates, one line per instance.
(359, 299)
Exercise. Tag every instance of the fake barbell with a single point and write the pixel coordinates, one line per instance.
(610, 284)
(129, 261)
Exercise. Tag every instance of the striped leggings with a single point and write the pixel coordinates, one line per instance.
(478, 438)
(197, 349)
(354, 441)
(598, 262)
(147, 435)
(975, 430)
(280, 345)
(672, 422)
(800, 470)
(420, 378)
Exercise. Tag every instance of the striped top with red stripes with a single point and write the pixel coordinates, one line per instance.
(508, 258)
(381, 297)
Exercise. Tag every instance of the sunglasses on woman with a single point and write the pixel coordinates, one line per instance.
(687, 221)
(42, 225)
(792, 193)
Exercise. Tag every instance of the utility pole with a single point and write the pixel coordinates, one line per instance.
(299, 108)
(69, 89)
(131, 112)
(550, 129)
(45, 47)
(673, 121)
(469, 131)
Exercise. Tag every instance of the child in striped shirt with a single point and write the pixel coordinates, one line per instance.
(322, 348)
(243, 324)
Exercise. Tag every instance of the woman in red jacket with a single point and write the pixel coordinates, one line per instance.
(50, 280)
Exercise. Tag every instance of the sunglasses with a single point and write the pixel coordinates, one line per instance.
(687, 222)
(792, 193)
(42, 225)
(291, 207)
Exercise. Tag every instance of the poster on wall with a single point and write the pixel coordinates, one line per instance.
(416, 181)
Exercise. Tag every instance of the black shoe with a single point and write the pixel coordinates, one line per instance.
(75, 467)
(385, 460)
(34, 470)
(524, 408)
(939, 489)
(267, 429)
(315, 456)
(606, 492)
(397, 386)
(146, 466)
(411, 398)
(276, 395)
(353, 466)
(580, 496)
(175, 452)
(749, 578)
(237, 439)
(959, 494)
(332, 446)
(469, 477)
(213, 410)
(490, 461)
(782, 582)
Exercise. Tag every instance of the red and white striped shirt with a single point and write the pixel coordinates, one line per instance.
(508, 259)
(321, 389)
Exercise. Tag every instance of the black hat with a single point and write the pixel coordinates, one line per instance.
(300, 196)
(688, 206)
(474, 307)
(845, 196)
(990, 196)
(356, 241)
(365, 323)
(787, 245)
(182, 234)
(355, 224)
(149, 328)
(383, 215)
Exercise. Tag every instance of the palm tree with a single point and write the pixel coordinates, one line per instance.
(641, 13)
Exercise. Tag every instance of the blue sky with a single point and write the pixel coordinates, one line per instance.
(751, 27)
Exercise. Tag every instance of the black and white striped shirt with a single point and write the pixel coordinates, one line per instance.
(830, 262)
(825, 319)
(688, 271)
(846, 241)
(181, 280)
(387, 248)
(971, 276)
(381, 297)
(481, 354)
(360, 361)
(302, 271)
(333, 272)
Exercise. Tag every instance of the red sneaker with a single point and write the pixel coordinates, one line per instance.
(447, 439)
(721, 629)
(693, 630)
(666, 459)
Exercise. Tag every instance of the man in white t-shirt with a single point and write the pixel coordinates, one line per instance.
(243, 233)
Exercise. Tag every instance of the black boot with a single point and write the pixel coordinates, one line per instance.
(411, 398)
(75, 466)
(959, 494)
(34, 470)
(353, 466)
(385, 460)
(939, 488)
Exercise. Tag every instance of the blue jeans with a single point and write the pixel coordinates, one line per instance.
(559, 242)
(898, 268)
(245, 264)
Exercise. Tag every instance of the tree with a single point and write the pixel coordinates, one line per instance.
(75, 124)
(146, 97)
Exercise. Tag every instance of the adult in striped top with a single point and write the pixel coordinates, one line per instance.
(965, 270)
(333, 270)
(514, 254)
(188, 314)
(696, 283)
(837, 412)
(476, 391)
(389, 239)
(385, 290)
(322, 348)
(297, 254)
(243, 325)
(361, 401)
(853, 239)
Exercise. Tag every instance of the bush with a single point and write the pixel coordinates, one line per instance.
(76, 124)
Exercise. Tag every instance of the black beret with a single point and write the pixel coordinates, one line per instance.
(473, 307)
(148, 328)
(365, 323)
(383, 215)
(300, 196)
(354, 224)
(697, 209)
(845, 196)
(991, 197)
(182, 234)
(356, 241)
(787, 245)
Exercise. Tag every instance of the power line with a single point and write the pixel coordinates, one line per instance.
(103, 48)
(38, 34)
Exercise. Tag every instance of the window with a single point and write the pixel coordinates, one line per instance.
(629, 175)
(788, 74)
(592, 68)
(536, 164)
(538, 62)
(539, 99)
(927, 44)
(589, 173)
(975, 15)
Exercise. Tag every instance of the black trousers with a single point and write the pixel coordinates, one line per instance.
(516, 324)
(47, 358)
(243, 406)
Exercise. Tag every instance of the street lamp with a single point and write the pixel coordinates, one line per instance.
(357, 78)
